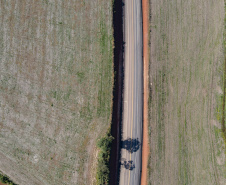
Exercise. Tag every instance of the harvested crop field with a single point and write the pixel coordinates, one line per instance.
(187, 89)
(56, 76)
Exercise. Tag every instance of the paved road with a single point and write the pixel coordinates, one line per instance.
(130, 171)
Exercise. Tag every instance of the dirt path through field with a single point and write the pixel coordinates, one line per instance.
(145, 151)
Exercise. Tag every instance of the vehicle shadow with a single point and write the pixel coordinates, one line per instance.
(131, 145)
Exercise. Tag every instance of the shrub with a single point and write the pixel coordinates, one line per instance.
(4, 179)
(104, 144)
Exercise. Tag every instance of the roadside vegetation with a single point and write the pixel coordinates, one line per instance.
(4, 179)
(187, 81)
(223, 126)
(56, 80)
(103, 171)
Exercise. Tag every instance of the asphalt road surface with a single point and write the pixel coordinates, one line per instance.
(130, 169)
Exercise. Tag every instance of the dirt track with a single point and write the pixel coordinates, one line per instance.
(145, 152)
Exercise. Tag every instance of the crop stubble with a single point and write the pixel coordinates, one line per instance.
(55, 88)
(186, 80)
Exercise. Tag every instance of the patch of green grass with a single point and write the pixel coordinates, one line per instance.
(81, 76)
(160, 88)
(106, 63)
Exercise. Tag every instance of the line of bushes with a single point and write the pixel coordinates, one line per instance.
(103, 172)
(4, 179)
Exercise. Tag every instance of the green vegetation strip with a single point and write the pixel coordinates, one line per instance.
(223, 104)
(4, 179)
(103, 172)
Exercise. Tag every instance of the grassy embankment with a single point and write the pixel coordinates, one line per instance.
(104, 143)
(187, 104)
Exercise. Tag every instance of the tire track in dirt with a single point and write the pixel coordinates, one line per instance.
(145, 148)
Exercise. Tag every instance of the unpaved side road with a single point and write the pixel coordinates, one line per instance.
(145, 148)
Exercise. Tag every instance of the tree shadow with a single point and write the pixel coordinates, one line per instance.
(131, 145)
(117, 90)
(129, 165)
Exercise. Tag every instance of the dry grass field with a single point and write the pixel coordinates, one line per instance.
(55, 88)
(186, 82)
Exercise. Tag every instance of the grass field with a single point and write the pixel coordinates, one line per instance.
(187, 90)
(56, 76)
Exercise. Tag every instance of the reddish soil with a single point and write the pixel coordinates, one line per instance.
(145, 150)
